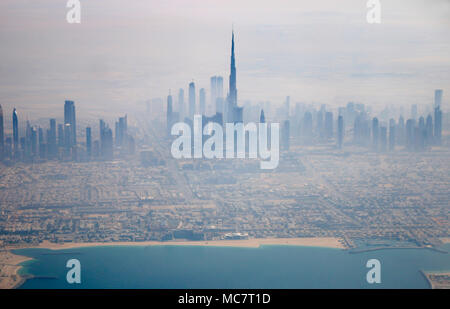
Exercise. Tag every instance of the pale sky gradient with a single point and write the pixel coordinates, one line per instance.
(125, 52)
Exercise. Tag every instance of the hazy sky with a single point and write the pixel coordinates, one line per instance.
(127, 51)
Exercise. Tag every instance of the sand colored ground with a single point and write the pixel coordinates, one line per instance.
(9, 266)
(250, 243)
(9, 263)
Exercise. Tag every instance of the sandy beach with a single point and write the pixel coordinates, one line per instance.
(9, 267)
(249, 243)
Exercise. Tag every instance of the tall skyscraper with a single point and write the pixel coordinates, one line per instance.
(213, 90)
(191, 100)
(409, 128)
(319, 127)
(106, 141)
(287, 106)
(51, 139)
(70, 119)
(438, 125)
(307, 127)
(169, 113)
(181, 111)
(375, 133)
(262, 118)
(219, 100)
(15, 121)
(88, 142)
(232, 92)
(392, 135)
(383, 139)
(438, 97)
(2, 135)
(340, 133)
(429, 131)
(219, 87)
(60, 135)
(42, 145)
(122, 134)
(328, 124)
(202, 101)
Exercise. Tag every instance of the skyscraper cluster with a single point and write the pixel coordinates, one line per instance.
(225, 109)
(308, 125)
(59, 141)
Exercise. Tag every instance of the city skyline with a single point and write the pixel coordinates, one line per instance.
(225, 123)
(370, 70)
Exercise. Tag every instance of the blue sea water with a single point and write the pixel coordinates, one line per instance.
(270, 266)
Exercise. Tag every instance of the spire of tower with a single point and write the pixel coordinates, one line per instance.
(232, 44)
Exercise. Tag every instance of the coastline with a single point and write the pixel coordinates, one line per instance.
(9, 269)
(437, 280)
(445, 240)
(328, 242)
(10, 262)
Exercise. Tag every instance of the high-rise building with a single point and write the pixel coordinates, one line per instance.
(361, 128)
(107, 145)
(262, 118)
(88, 142)
(429, 131)
(238, 114)
(400, 132)
(70, 119)
(328, 125)
(287, 106)
(51, 140)
(214, 96)
(420, 136)
(392, 135)
(219, 87)
(320, 127)
(340, 133)
(438, 125)
(68, 139)
(181, 111)
(213, 89)
(383, 139)
(169, 113)
(15, 121)
(42, 144)
(438, 98)
(202, 101)
(123, 131)
(410, 124)
(307, 127)
(106, 141)
(220, 106)
(232, 92)
(60, 135)
(191, 100)
(375, 133)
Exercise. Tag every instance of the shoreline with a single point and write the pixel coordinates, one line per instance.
(328, 242)
(10, 265)
(10, 262)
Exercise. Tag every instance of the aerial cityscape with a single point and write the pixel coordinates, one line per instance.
(360, 177)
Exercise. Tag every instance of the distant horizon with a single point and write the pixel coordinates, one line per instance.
(124, 54)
